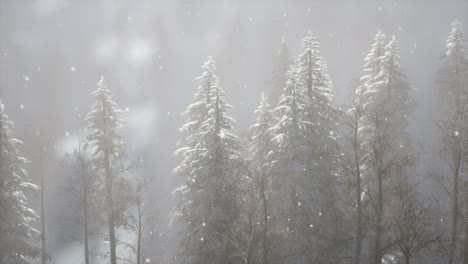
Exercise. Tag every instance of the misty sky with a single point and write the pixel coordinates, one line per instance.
(53, 52)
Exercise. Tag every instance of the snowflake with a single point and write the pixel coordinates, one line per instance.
(147, 260)
(21, 106)
(73, 69)
(67, 134)
(26, 78)
(202, 239)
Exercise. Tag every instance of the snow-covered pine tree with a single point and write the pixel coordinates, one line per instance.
(301, 211)
(17, 219)
(195, 114)
(207, 209)
(260, 167)
(323, 115)
(452, 85)
(357, 133)
(386, 93)
(362, 108)
(283, 62)
(105, 139)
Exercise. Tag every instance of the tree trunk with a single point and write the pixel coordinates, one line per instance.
(378, 230)
(407, 259)
(85, 210)
(265, 220)
(110, 205)
(465, 249)
(139, 230)
(43, 228)
(453, 239)
(357, 253)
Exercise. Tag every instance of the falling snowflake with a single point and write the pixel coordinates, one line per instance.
(73, 69)
(67, 134)
(21, 106)
(26, 78)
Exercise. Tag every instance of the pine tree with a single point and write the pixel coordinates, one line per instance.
(359, 131)
(323, 115)
(105, 128)
(195, 114)
(17, 219)
(365, 95)
(386, 94)
(260, 166)
(302, 212)
(452, 85)
(207, 208)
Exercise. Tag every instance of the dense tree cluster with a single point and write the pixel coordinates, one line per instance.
(316, 183)
(309, 183)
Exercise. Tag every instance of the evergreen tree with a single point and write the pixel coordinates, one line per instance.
(17, 219)
(105, 140)
(207, 210)
(386, 94)
(452, 85)
(303, 209)
(260, 166)
(323, 115)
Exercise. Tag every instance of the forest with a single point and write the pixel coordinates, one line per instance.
(309, 181)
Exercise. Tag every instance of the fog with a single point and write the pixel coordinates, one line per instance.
(53, 53)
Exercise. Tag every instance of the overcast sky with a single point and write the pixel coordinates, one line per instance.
(53, 52)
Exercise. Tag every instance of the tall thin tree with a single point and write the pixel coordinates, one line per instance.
(105, 128)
